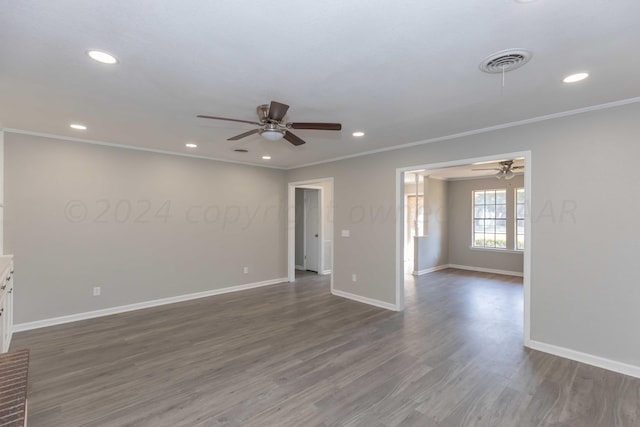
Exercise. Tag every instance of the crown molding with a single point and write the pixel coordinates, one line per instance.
(481, 130)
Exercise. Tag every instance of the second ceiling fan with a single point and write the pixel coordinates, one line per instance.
(505, 171)
(270, 124)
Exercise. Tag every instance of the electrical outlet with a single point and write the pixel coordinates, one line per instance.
(96, 291)
(354, 278)
(245, 270)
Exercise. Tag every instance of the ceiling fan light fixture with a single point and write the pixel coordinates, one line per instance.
(272, 134)
(271, 124)
(505, 174)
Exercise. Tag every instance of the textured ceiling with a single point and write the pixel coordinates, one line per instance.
(401, 71)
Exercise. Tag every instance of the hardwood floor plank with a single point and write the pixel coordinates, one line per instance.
(295, 355)
(626, 410)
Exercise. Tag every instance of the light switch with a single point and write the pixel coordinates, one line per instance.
(346, 233)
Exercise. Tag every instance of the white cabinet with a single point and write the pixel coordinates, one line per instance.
(6, 302)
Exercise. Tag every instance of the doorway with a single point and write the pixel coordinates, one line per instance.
(310, 227)
(307, 246)
(494, 243)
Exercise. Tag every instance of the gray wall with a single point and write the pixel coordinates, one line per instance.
(585, 237)
(56, 192)
(432, 249)
(460, 223)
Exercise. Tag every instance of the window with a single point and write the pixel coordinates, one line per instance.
(520, 211)
(490, 219)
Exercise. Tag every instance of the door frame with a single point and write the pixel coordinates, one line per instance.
(291, 225)
(399, 306)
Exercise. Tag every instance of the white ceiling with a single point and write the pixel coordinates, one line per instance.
(401, 71)
(483, 170)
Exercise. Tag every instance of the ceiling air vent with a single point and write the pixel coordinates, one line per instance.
(241, 150)
(505, 60)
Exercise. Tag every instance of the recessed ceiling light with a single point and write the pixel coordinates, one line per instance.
(77, 126)
(191, 145)
(575, 77)
(358, 134)
(266, 157)
(103, 57)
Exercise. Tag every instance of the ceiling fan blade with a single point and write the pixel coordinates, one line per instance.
(277, 111)
(229, 120)
(243, 135)
(316, 126)
(518, 167)
(293, 139)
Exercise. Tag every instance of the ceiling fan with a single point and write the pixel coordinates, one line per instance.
(271, 127)
(505, 171)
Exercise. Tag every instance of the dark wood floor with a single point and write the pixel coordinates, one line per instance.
(294, 355)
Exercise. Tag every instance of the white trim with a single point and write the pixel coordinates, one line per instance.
(364, 300)
(526, 269)
(481, 130)
(132, 147)
(589, 359)
(325, 272)
(300, 267)
(499, 251)
(400, 239)
(487, 270)
(430, 270)
(141, 305)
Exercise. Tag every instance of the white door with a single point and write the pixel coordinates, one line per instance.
(312, 230)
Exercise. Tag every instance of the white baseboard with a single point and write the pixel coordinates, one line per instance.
(299, 267)
(364, 300)
(430, 270)
(325, 272)
(589, 359)
(486, 270)
(138, 306)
